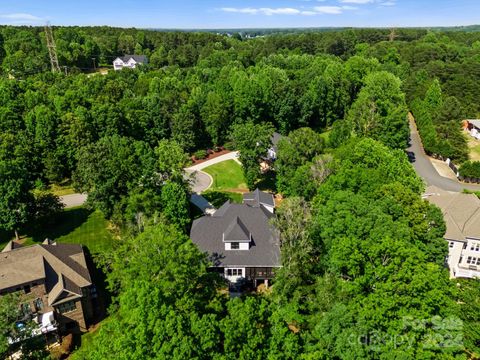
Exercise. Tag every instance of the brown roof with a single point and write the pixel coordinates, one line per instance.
(461, 212)
(52, 263)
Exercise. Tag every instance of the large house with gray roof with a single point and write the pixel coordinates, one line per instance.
(54, 283)
(240, 240)
(462, 218)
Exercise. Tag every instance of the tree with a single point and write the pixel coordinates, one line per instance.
(166, 304)
(175, 204)
(294, 151)
(252, 141)
(16, 199)
(380, 111)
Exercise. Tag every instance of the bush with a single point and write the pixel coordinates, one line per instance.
(200, 154)
(470, 169)
(229, 146)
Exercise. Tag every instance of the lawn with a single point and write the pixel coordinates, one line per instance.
(227, 176)
(74, 226)
(475, 150)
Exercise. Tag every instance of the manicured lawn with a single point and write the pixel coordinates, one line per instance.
(74, 226)
(227, 176)
(475, 152)
(64, 188)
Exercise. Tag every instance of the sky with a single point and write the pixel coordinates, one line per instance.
(214, 14)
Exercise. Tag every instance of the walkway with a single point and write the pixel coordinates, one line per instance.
(73, 200)
(424, 168)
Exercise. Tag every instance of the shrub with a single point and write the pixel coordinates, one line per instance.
(200, 154)
(470, 169)
(229, 146)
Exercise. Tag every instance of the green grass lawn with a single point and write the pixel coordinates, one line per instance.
(74, 226)
(227, 176)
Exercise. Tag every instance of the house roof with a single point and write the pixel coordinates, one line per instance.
(257, 198)
(49, 262)
(461, 212)
(138, 58)
(475, 123)
(276, 137)
(236, 231)
(207, 233)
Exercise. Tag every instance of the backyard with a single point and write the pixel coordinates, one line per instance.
(474, 146)
(75, 226)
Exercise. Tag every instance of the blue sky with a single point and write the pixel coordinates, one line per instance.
(241, 13)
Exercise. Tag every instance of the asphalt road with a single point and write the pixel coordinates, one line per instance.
(425, 169)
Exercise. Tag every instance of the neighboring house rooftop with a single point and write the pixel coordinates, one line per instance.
(257, 198)
(461, 212)
(138, 58)
(276, 137)
(63, 267)
(475, 123)
(232, 221)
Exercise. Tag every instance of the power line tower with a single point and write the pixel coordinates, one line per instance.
(52, 48)
(393, 34)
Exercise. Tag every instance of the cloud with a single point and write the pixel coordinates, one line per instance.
(20, 18)
(316, 10)
(357, 1)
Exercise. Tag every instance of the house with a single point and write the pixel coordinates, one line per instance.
(272, 152)
(129, 61)
(240, 241)
(473, 128)
(462, 217)
(54, 282)
(257, 198)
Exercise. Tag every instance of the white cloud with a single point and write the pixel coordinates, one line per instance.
(357, 1)
(316, 10)
(20, 17)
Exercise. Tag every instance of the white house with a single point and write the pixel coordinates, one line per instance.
(462, 217)
(129, 61)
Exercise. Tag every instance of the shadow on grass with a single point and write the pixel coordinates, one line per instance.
(267, 182)
(63, 224)
(218, 198)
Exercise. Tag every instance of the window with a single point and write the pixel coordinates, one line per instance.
(234, 272)
(469, 260)
(38, 304)
(477, 247)
(451, 244)
(66, 307)
(235, 246)
(27, 289)
(464, 245)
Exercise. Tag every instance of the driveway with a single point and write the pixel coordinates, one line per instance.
(73, 200)
(426, 170)
(201, 181)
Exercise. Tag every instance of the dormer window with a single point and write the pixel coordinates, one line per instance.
(237, 236)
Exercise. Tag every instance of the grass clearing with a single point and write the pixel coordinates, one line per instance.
(74, 226)
(227, 176)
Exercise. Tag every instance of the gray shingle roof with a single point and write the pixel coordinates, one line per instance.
(257, 197)
(276, 137)
(236, 231)
(30, 263)
(138, 58)
(475, 123)
(207, 233)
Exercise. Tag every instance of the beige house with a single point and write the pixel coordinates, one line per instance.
(54, 281)
(462, 217)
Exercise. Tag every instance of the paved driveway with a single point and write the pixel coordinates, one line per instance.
(425, 169)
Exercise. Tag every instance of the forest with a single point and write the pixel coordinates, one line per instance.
(363, 271)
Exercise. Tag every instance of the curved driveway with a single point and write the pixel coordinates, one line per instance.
(201, 180)
(425, 169)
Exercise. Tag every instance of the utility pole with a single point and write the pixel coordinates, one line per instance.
(52, 48)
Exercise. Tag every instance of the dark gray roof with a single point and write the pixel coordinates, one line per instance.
(257, 198)
(138, 58)
(236, 231)
(207, 233)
